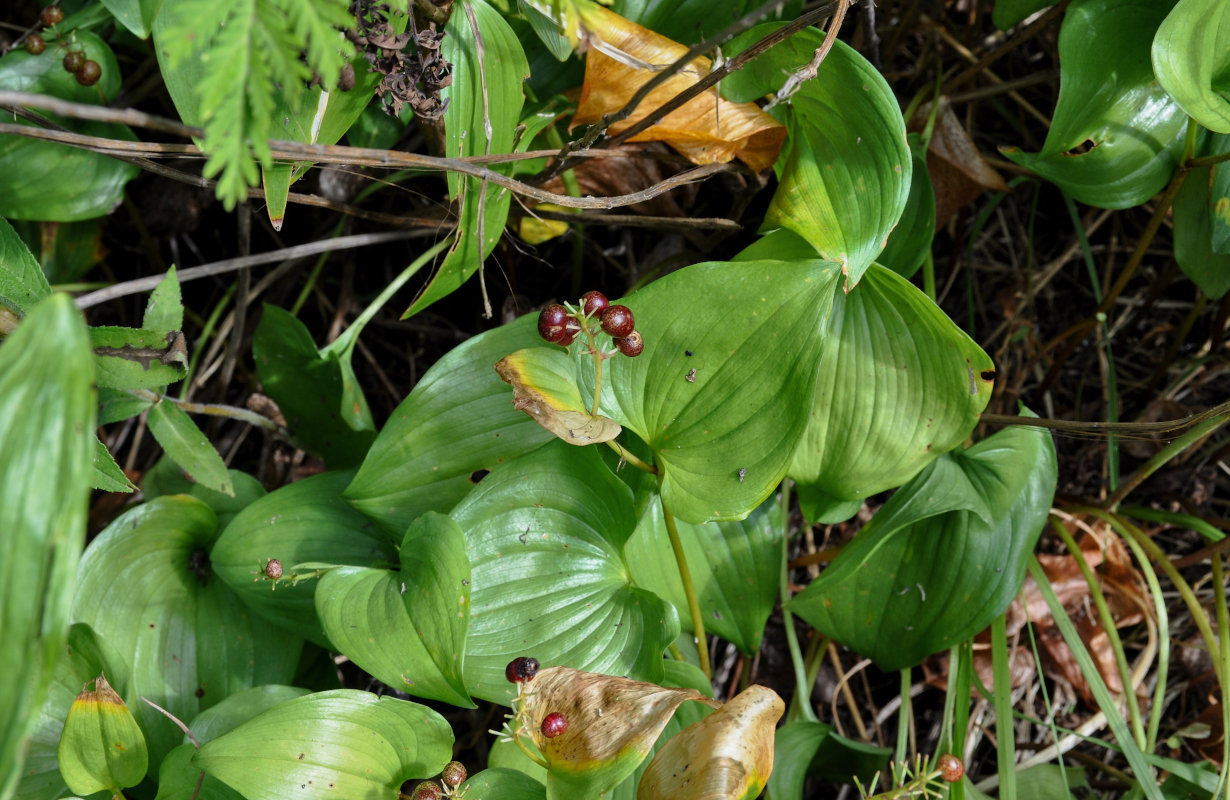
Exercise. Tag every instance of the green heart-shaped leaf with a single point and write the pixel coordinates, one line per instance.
(1191, 57)
(734, 568)
(180, 779)
(304, 522)
(943, 557)
(342, 743)
(437, 575)
(239, 708)
(146, 586)
(363, 613)
(722, 422)
(899, 384)
(545, 536)
(844, 174)
(1116, 135)
(484, 106)
(47, 405)
(458, 419)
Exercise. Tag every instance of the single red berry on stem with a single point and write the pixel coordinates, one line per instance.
(73, 60)
(618, 321)
(553, 322)
(950, 767)
(594, 303)
(522, 669)
(35, 44)
(89, 73)
(554, 724)
(631, 345)
(51, 15)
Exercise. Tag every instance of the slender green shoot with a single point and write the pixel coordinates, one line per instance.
(1005, 734)
(689, 590)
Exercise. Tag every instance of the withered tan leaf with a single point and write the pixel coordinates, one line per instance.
(622, 56)
(726, 756)
(552, 400)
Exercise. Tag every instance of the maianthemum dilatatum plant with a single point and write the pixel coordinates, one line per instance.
(596, 490)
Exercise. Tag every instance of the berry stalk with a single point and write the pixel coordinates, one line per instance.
(689, 590)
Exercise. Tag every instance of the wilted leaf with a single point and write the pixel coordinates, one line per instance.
(959, 173)
(612, 725)
(545, 388)
(708, 129)
(726, 756)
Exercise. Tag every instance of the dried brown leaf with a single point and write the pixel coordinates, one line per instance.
(958, 172)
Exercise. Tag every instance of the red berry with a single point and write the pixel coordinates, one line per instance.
(427, 790)
(89, 73)
(453, 774)
(618, 321)
(594, 303)
(950, 767)
(73, 61)
(554, 724)
(51, 15)
(35, 44)
(633, 345)
(553, 322)
(522, 669)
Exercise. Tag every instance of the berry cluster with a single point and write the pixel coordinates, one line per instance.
(87, 71)
(560, 324)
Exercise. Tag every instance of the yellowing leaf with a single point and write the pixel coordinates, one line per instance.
(612, 724)
(544, 387)
(622, 56)
(728, 755)
(101, 747)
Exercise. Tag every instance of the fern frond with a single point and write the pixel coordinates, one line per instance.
(316, 23)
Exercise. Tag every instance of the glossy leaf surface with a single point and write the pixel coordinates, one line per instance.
(943, 557)
(1116, 135)
(1191, 58)
(303, 522)
(458, 419)
(729, 754)
(308, 389)
(755, 331)
(145, 586)
(47, 406)
(342, 743)
(898, 384)
(545, 537)
(484, 107)
(734, 567)
(50, 181)
(844, 174)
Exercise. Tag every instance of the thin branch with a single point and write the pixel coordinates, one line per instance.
(229, 265)
(812, 68)
(635, 220)
(363, 156)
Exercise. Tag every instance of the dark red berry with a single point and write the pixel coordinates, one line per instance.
(553, 322)
(950, 767)
(51, 15)
(522, 669)
(427, 790)
(73, 61)
(453, 774)
(89, 73)
(35, 44)
(273, 569)
(594, 303)
(618, 321)
(633, 345)
(554, 724)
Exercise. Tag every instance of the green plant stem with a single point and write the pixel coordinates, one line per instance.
(1162, 670)
(598, 361)
(213, 409)
(1108, 626)
(905, 718)
(800, 706)
(689, 590)
(1186, 440)
(1223, 670)
(631, 458)
(530, 754)
(1005, 751)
